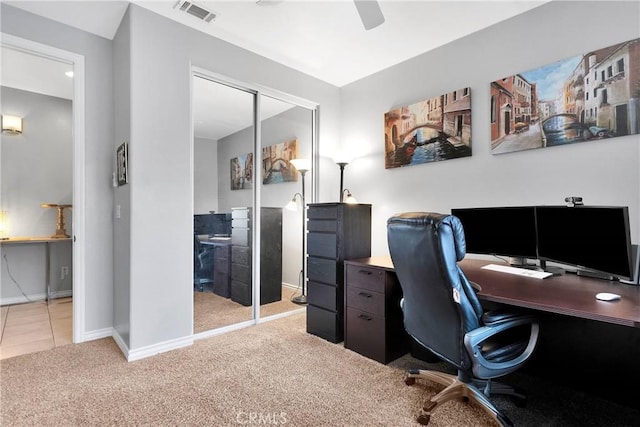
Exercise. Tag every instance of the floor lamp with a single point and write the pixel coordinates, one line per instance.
(303, 166)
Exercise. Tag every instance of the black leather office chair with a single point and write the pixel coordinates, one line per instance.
(443, 314)
(202, 264)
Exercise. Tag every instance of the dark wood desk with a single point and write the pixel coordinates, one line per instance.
(584, 343)
(569, 294)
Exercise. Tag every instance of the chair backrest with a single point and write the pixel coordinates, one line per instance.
(439, 304)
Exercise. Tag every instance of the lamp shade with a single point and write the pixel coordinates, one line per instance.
(301, 164)
(11, 125)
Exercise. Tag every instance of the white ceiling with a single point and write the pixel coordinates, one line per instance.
(325, 39)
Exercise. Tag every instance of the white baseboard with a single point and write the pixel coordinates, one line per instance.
(155, 349)
(98, 334)
(35, 297)
(61, 294)
(120, 343)
(21, 299)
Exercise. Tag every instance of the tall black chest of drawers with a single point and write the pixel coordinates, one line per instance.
(336, 232)
(270, 255)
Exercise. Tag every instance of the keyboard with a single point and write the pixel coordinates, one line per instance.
(518, 271)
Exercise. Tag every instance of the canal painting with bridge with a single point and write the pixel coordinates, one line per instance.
(429, 131)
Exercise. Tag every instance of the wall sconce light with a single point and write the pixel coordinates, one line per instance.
(11, 125)
(350, 200)
(4, 225)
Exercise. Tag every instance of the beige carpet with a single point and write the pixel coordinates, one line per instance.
(211, 311)
(274, 372)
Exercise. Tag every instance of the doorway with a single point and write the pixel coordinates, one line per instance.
(43, 166)
(242, 142)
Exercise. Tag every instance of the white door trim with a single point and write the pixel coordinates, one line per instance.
(78, 112)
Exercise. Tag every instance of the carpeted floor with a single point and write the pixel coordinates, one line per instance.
(211, 311)
(269, 374)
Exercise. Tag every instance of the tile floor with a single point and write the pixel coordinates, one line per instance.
(37, 326)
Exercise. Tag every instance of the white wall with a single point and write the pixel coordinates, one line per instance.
(98, 152)
(603, 172)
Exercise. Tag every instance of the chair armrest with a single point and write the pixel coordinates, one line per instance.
(484, 368)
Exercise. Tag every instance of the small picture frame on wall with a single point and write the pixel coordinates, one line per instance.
(122, 164)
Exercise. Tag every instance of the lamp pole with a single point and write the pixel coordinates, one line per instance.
(302, 299)
(342, 166)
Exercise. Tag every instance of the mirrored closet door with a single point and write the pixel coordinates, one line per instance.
(236, 248)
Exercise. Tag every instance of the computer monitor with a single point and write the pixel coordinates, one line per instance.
(592, 238)
(506, 231)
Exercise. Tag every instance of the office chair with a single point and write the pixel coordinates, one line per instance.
(443, 314)
(202, 264)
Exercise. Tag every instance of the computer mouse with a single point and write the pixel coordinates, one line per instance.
(606, 296)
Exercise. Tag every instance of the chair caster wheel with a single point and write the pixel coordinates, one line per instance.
(423, 419)
(409, 381)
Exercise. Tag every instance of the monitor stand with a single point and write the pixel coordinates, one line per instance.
(556, 271)
(520, 262)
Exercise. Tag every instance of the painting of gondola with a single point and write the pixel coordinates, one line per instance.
(242, 172)
(275, 162)
(592, 96)
(429, 131)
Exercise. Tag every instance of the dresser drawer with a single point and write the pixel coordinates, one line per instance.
(241, 273)
(366, 334)
(323, 212)
(322, 244)
(240, 213)
(323, 295)
(322, 270)
(241, 236)
(241, 255)
(323, 225)
(324, 323)
(372, 279)
(241, 223)
(366, 300)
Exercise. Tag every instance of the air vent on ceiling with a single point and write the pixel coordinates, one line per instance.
(193, 9)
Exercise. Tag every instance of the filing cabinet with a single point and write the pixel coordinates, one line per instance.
(222, 269)
(373, 320)
(336, 232)
(270, 252)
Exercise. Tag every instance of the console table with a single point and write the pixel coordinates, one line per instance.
(47, 241)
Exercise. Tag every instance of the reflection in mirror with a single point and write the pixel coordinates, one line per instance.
(223, 182)
(225, 179)
(286, 134)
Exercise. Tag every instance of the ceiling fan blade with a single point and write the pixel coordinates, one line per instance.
(370, 13)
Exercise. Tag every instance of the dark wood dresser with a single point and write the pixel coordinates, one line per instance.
(270, 255)
(373, 319)
(336, 232)
(222, 268)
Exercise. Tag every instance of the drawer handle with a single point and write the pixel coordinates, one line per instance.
(368, 273)
(364, 317)
(364, 294)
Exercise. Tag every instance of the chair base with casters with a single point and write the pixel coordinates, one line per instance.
(456, 388)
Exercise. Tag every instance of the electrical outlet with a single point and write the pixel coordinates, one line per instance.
(64, 272)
